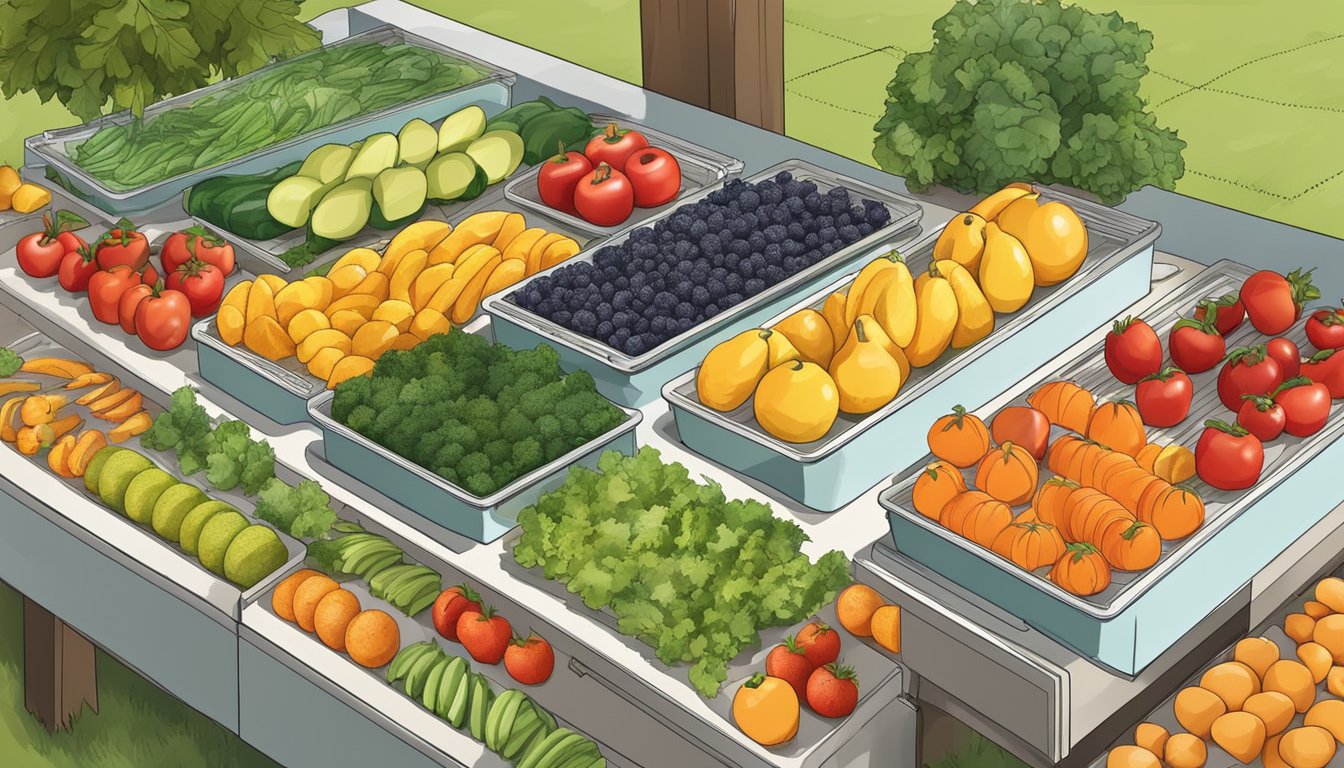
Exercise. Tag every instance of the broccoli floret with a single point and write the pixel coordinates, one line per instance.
(10, 362)
(479, 484)
(527, 454)
(498, 451)
(473, 463)
(360, 418)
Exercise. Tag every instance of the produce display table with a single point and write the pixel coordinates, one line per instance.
(226, 653)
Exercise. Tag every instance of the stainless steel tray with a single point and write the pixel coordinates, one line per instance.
(492, 91)
(634, 380)
(1085, 622)
(1115, 272)
(700, 167)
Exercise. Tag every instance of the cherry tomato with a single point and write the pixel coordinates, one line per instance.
(604, 197)
(1248, 371)
(1306, 405)
(1274, 302)
(1262, 417)
(1228, 457)
(559, 176)
(76, 268)
(105, 290)
(1327, 367)
(202, 283)
(1196, 345)
(1163, 399)
(613, 146)
(656, 176)
(122, 245)
(130, 301)
(1325, 328)
(163, 318)
(196, 242)
(41, 253)
(1133, 350)
(1228, 312)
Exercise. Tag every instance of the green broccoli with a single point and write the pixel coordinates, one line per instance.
(10, 362)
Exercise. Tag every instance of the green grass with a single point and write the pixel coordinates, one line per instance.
(979, 752)
(137, 725)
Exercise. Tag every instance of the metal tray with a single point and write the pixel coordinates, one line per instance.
(700, 167)
(491, 92)
(481, 519)
(1141, 614)
(281, 390)
(15, 226)
(859, 451)
(636, 380)
(37, 344)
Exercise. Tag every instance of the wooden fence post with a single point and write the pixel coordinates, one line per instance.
(59, 672)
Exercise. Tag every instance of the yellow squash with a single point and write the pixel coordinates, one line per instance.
(855, 296)
(796, 402)
(730, 372)
(1054, 236)
(962, 241)
(866, 375)
(807, 330)
(896, 308)
(1006, 276)
(975, 318)
(834, 313)
(935, 322)
(990, 208)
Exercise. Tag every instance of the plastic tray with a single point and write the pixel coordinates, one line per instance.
(492, 93)
(859, 451)
(37, 344)
(634, 381)
(1141, 614)
(700, 167)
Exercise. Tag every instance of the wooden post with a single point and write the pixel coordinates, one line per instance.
(723, 55)
(59, 672)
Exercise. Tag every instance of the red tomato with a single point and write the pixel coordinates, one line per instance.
(1228, 312)
(1286, 354)
(130, 301)
(76, 268)
(1228, 457)
(452, 603)
(122, 245)
(1273, 302)
(789, 663)
(41, 253)
(1306, 405)
(820, 643)
(1133, 350)
(1248, 371)
(1163, 399)
(1262, 417)
(163, 318)
(196, 242)
(530, 661)
(202, 283)
(558, 178)
(1024, 426)
(1327, 367)
(485, 635)
(1196, 345)
(832, 691)
(1325, 328)
(604, 197)
(656, 176)
(613, 146)
(105, 289)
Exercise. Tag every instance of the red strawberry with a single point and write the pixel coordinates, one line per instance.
(789, 663)
(820, 643)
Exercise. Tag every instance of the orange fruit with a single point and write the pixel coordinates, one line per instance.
(334, 613)
(886, 626)
(1132, 757)
(1184, 750)
(855, 608)
(1151, 737)
(1300, 627)
(307, 596)
(372, 639)
(282, 600)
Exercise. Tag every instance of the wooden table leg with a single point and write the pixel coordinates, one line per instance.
(59, 669)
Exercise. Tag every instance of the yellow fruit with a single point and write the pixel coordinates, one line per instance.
(1329, 632)
(1184, 750)
(58, 457)
(766, 709)
(324, 362)
(1316, 659)
(372, 639)
(1292, 679)
(1005, 271)
(886, 626)
(520, 246)
(833, 312)
(282, 600)
(895, 307)
(373, 339)
(962, 241)
(990, 207)
(865, 374)
(507, 274)
(1256, 653)
(807, 331)
(412, 264)
(405, 341)
(362, 303)
(276, 282)
(1273, 708)
(1269, 756)
(854, 295)
(1232, 681)
(1014, 216)
(231, 324)
(1175, 464)
(537, 253)
(470, 299)
(305, 323)
(1056, 241)
(1316, 610)
(1127, 756)
(935, 322)
(1197, 708)
(367, 259)
(446, 296)
(855, 606)
(975, 319)
(29, 197)
(348, 321)
(476, 229)
(237, 297)
(396, 312)
(1307, 747)
(333, 615)
(1240, 734)
(730, 372)
(322, 339)
(1334, 681)
(1151, 737)
(375, 284)
(313, 292)
(796, 402)
(344, 279)
(428, 322)
(349, 367)
(260, 301)
(1328, 714)
(307, 596)
(1300, 627)
(558, 252)
(420, 236)
(9, 183)
(428, 282)
(1330, 591)
(473, 261)
(514, 225)
(265, 337)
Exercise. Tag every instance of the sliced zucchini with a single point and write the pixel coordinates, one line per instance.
(292, 201)
(327, 163)
(378, 153)
(399, 192)
(461, 128)
(418, 142)
(449, 175)
(498, 152)
(344, 211)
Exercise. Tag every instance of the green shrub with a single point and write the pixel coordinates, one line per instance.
(1017, 90)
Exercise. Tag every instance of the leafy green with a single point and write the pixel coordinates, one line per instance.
(1033, 91)
(10, 362)
(478, 415)
(184, 429)
(687, 571)
(227, 452)
(304, 510)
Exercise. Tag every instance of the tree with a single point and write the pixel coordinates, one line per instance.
(1019, 90)
(132, 53)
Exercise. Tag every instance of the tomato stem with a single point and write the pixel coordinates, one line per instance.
(1235, 430)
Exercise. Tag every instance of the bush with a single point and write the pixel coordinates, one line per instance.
(1036, 91)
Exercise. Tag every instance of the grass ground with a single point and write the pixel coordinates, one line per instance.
(137, 725)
